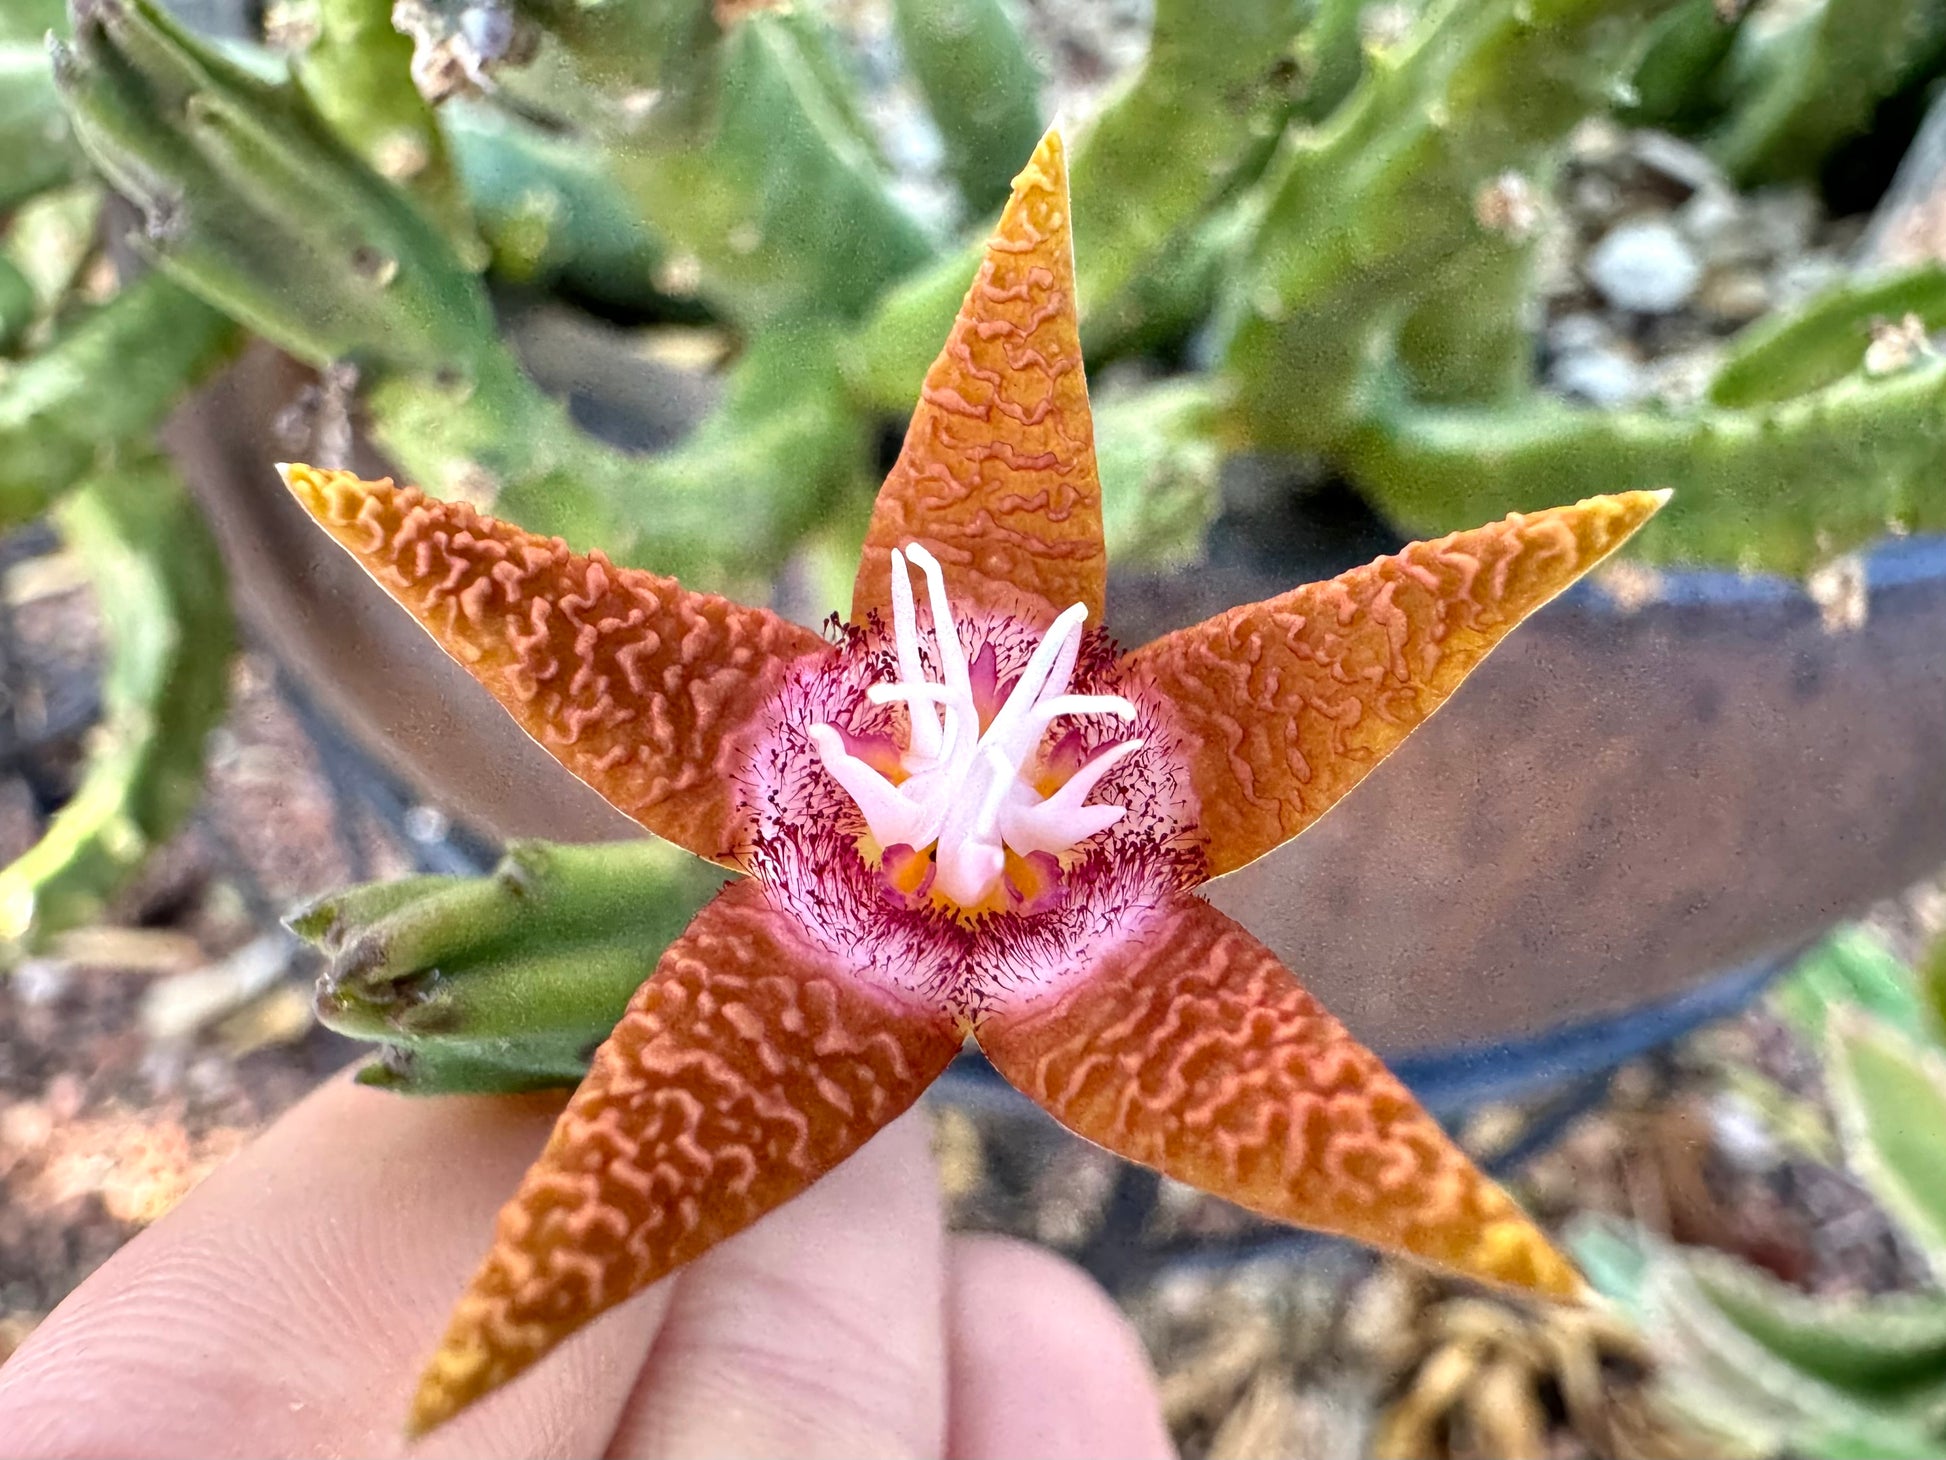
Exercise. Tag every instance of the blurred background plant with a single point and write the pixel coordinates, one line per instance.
(662, 277)
(1755, 1361)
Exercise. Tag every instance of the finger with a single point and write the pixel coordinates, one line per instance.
(817, 1332)
(286, 1305)
(1041, 1362)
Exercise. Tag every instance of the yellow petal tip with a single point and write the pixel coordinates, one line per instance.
(306, 483)
(455, 1376)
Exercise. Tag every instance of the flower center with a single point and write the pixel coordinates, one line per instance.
(962, 786)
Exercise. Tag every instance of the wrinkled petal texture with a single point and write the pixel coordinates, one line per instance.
(1288, 703)
(997, 477)
(1191, 1049)
(638, 686)
(745, 1069)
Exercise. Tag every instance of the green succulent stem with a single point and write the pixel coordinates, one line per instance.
(257, 205)
(981, 86)
(1332, 55)
(18, 306)
(1198, 118)
(154, 340)
(1157, 175)
(260, 209)
(1932, 983)
(1825, 338)
(1852, 968)
(1889, 1092)
(1768, 1368)
(1358, 220)
(159, 583)
(1471, 340)
(507, 981)
(1753, 487)
(358, 74)
(1159, 455)
(1681, 55)
(744, 149)
(721, 509)
(664, 46)
(886, 358)
(1805, 77)
(36, 150)
(551, 211)
(27, 22)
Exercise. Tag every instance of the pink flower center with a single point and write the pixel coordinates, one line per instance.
(886, 778)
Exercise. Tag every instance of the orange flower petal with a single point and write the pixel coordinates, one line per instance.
(1288, 703)
(750, 1065)
(1191, 1049)
(997, 477)
(638, 686)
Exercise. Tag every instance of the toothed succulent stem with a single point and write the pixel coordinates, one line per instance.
(551, 212)
(1753, 487)
(1202, 113)
(1784, 1371)
(1771, 1369)
(980, 85)
(154, 339)
(721, 509)
(36, 150)
(503, 982)
(256, 205)
(1888, 1090)
(1156, 177)
(745, 149)
(1825, 338)
(259, 208)
(358, 74)
(1805, 77)
(1359, 219)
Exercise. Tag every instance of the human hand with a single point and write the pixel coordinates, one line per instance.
(284, 1308)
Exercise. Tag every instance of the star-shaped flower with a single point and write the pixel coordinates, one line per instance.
(963, 815)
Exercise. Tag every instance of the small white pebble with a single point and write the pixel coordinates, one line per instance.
(38, 981)
(1601, 377)
(1572, 332)
(427, 825)
(1645, 267)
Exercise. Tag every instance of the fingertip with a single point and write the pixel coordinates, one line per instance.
(286, 1304)
(1042, 1362)
(816, 1331)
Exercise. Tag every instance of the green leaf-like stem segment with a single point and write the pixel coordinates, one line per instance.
(1780, 487)
(1889, 1092)
(504, 982)
(155, 339)
(160, 587)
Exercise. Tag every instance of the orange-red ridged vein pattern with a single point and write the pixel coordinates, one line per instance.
(1191, 1049)
(997, 476)
(1289, 703)
(637, 685)
(746, 1068)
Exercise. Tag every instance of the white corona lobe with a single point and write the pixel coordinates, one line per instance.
(964, 790)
